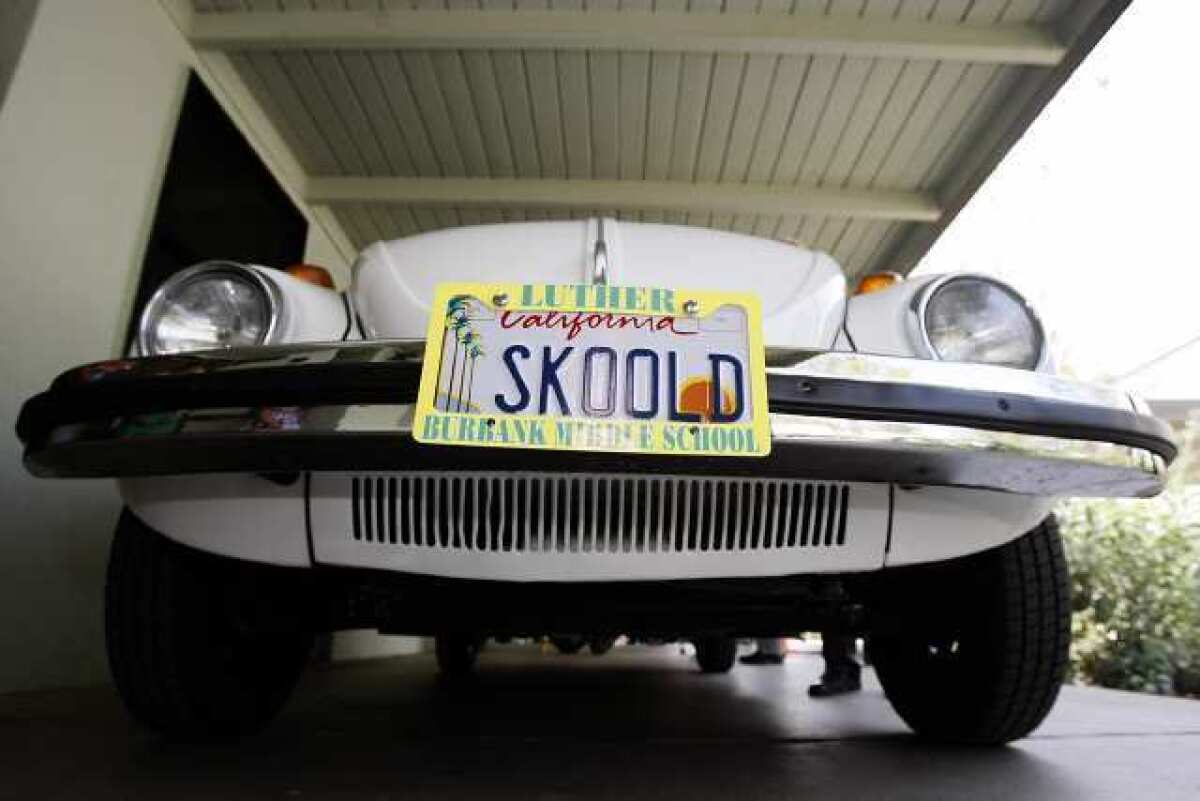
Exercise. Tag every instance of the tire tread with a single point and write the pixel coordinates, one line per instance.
(1018, 597)
(163, 625)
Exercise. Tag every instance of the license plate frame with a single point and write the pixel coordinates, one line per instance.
(746, 436)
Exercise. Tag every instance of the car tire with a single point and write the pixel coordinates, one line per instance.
(568, 644)
(456, 654)
(200, 647)
(983, 652)
(715, 654)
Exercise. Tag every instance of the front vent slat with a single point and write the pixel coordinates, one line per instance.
(629, 520)
(474, 531)
(618, 529)
(585, 514)
(721, 513)
(741, 511)
(543, 509)
(426, 512)
(404, 502)
(737, 488)
(707, 516)
(576, 517)
(818, 516)
(455, 511)
(415, 486)
(380, 510)
(637, 522)
(659, 493)
(779, 515)
(681, 542)
(556, 528)
(506, 537)
(391, 510)
(845, 503)
(670, 515)
(369, 527)
(437, 517)
(806, 526)
(489, 512)
(356, 520)
(592, 542)
(520, 515)
(831, 516)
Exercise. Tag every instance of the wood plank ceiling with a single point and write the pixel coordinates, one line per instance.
(855, 126)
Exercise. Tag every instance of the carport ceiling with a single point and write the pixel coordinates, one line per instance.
(856, 126)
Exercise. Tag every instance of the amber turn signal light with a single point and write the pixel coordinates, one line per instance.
(876, 282)
(312, 274)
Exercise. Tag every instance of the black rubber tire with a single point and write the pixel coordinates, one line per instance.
(715, 654)
(599, 646)
(200, 647)
(456, 654)
(985, 650)
(568, 644)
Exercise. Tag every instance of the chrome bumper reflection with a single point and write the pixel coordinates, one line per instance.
(835, 416)
(954, 455)
(1025, 463)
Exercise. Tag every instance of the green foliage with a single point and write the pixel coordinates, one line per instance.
(1136, 591)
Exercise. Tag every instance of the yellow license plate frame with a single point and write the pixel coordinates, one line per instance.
(655, 437)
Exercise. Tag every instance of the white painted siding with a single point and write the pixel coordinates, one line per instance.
(85, 131)
(824, 120)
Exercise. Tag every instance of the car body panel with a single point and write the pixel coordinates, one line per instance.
(802, 291)
(303, 455)
(243, 516)
(310, 313)
(312, 522)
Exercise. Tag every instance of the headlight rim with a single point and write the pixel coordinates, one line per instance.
(270, 292)
(920, 310)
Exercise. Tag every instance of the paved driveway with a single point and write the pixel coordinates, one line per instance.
(638, 723)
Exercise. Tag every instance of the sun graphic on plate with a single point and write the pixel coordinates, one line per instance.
(695, 396)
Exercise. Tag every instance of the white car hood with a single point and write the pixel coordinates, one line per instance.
(802, 291)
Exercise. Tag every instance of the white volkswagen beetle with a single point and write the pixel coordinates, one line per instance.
(588, 428)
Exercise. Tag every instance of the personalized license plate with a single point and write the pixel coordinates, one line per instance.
(594, 368)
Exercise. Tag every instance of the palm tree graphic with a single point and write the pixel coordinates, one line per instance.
(456, 322)
(466, 338)
(473, 352)
(458, 326)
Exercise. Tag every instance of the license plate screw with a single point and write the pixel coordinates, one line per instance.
(690, 308)
(500, 299)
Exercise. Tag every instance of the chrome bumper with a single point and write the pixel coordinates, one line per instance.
(834, 416)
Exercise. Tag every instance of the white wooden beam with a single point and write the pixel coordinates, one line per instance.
(247, 114)
(868, 204)
(1009, 120)
(999, 43)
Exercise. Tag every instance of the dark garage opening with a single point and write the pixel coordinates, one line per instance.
(218, 201)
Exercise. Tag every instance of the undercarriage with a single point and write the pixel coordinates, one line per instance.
(662, 610)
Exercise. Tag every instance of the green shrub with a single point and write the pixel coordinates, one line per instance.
(1136, 591)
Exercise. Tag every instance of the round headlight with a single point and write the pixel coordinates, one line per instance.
(969, 318)
(210, 305)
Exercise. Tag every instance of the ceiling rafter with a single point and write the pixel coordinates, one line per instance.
(866, 204)
(777, 33)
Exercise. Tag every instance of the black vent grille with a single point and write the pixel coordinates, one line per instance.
(499, 512)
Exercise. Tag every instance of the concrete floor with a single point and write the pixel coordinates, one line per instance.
(638, 723)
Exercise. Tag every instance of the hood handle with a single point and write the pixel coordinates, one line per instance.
(600, 256)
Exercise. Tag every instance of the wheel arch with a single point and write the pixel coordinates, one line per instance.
(241, 516)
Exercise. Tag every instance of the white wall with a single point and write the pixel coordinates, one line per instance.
(84, 136)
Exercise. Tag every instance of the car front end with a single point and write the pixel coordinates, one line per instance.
(599, 428)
